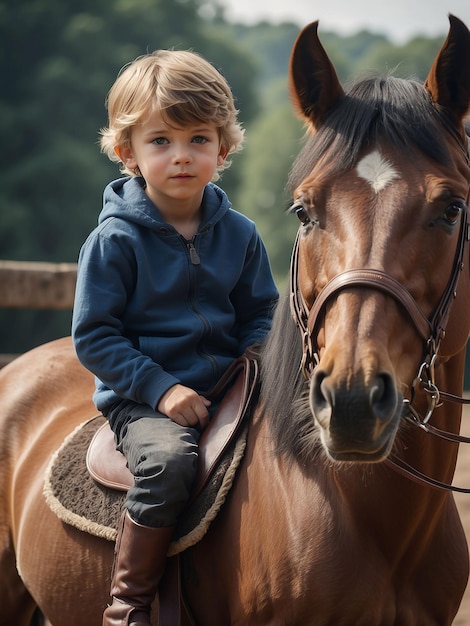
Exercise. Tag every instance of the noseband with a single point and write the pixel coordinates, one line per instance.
(431, 330)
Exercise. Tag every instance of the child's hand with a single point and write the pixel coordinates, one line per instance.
(184, 406)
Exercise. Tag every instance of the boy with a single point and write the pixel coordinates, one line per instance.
(172, 286)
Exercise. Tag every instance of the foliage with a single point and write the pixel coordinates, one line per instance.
(264, 195)
(410, 60)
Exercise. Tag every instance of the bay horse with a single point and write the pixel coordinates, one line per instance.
(341, 513)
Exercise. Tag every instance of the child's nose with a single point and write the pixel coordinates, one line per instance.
(182, 154)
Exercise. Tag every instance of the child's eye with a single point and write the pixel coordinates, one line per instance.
(199, 139)
(160, 141)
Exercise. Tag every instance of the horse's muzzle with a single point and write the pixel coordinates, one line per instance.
(357, 422)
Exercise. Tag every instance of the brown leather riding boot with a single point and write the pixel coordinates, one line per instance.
(139, 563)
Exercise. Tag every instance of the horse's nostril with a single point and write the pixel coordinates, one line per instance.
(316, 392)
(383, 397)
(320, 397)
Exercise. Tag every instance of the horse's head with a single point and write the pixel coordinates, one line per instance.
(381, 189)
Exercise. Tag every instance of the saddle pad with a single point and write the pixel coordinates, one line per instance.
(78, 500)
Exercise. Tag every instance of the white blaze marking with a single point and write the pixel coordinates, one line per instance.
(376, 171)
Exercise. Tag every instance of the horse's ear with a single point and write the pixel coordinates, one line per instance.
(448, 81)
(313, 82)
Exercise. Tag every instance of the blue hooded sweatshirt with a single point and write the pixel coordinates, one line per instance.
(153, 309)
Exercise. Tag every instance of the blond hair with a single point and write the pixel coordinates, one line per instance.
(183, 87)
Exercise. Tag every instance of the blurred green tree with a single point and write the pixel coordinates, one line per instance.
(263, 196)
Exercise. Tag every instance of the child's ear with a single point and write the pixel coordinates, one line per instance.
(223, 153)
(126, 156)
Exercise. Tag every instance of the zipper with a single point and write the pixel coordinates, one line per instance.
(195, 260)
(193, 255)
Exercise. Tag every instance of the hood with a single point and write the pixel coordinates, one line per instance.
(126, 199)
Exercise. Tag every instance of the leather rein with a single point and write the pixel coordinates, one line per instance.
(432, 331)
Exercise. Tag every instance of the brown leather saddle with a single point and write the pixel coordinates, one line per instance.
(236, 387)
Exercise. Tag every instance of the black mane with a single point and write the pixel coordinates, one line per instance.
(284, 390)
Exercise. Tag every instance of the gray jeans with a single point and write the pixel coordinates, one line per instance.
(162, 456)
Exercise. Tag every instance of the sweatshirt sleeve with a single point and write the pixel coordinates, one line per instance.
(255, 295)
(105, 279)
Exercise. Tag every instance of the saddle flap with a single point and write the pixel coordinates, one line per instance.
(225, 423)
(107, 465)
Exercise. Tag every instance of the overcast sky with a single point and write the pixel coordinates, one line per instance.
(398, 19)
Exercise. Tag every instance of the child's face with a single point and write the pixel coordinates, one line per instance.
(176, 163)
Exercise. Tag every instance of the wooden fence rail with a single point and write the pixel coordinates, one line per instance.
(33, 285)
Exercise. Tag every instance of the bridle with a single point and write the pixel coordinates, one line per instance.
(431, 330)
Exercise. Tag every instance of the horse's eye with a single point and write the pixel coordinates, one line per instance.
(301, 212)
(452, 213)
(302, 215)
